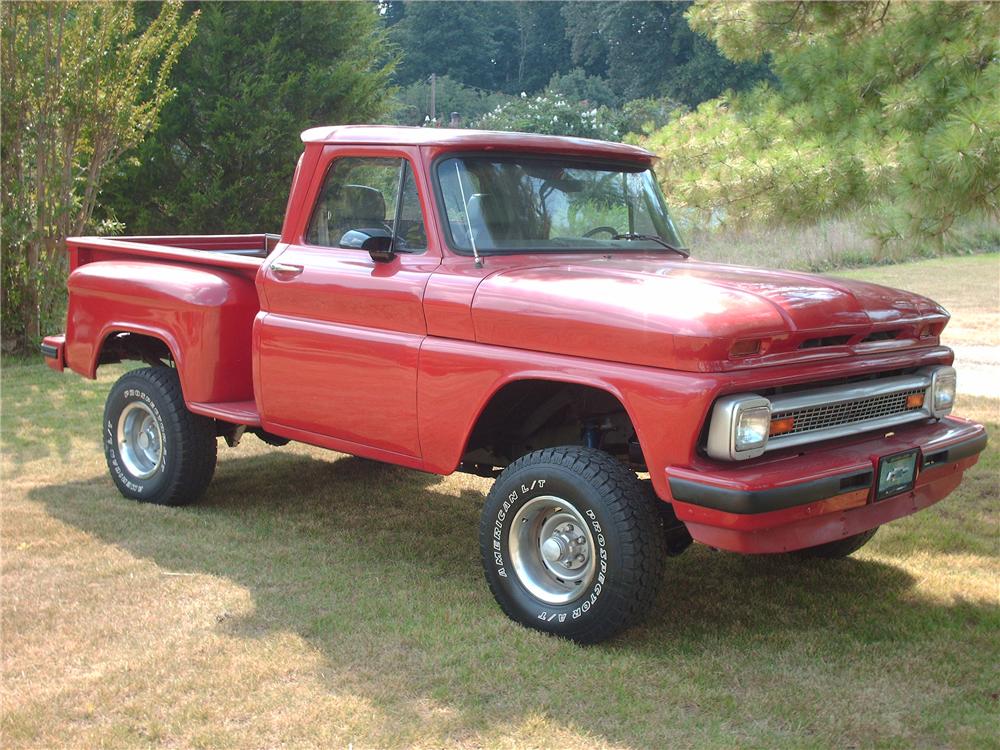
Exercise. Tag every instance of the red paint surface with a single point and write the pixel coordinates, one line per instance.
(396, 361)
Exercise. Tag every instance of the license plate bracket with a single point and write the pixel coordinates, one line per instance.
(897, 473)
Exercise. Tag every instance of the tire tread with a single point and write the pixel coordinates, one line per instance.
(638, 525)
(196, 449)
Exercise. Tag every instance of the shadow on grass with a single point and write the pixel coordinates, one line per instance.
(377, 567)
(33, 425)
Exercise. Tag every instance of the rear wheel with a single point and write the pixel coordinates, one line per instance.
(839, 548)
(157, 451)
(571, 544)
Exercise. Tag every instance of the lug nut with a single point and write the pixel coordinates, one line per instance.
(579, 540)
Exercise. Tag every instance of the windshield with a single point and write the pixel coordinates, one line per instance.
(525, 204)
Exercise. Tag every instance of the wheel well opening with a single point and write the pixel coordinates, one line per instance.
(528, 415)
(123, 345)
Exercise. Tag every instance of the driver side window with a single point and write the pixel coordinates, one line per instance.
(360, 194)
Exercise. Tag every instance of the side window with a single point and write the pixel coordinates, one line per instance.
(361, 193)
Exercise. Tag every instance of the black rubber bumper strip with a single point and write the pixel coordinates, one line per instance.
(957, 452)
(49, 351)
(748, 502)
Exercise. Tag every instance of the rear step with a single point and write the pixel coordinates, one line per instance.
(237, 412)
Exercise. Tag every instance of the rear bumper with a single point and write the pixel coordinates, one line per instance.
(53, 348)
(801, 498)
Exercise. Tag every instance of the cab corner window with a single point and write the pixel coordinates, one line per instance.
(368, 197)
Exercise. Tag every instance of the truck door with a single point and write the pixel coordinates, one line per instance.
(339, 333)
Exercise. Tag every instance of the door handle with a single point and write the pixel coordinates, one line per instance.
(285, 270)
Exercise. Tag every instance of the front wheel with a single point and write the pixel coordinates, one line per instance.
(571, 544)
(157, 451)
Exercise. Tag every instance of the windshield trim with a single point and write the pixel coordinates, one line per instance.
(635, 167)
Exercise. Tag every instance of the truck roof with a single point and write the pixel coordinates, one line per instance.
(473, 140)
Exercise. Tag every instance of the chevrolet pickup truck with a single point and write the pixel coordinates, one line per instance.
(520, 307)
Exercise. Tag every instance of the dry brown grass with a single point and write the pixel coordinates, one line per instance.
(969, 288)
(830, 243)
(318, 601)
(833, 243)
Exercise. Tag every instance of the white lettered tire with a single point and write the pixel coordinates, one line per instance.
(571, 543)
(157, 451)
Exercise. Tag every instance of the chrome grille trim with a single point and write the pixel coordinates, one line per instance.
(852, 392)
(848, 412)
(838, 411)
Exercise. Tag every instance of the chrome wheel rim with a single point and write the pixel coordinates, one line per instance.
(140, 441)
(552, 550)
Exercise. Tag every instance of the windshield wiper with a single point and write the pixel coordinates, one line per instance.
(682, 251)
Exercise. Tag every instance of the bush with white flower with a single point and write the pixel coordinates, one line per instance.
(552, 114)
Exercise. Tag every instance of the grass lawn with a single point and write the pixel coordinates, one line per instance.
(317, 600)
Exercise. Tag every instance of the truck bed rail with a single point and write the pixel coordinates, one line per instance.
(237, 251)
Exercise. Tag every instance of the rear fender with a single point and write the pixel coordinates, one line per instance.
(204, 316)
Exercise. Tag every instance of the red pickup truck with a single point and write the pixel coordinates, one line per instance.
(520, 307)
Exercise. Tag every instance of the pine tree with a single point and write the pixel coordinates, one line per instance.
(893, 104)
(253, 79)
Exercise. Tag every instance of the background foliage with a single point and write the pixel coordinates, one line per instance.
(255, 77)
(81, 86)
(552, 114)
(875, 115)
(605, 52)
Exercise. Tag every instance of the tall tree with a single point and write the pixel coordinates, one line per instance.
(454, 39)
(646, 49)
(540, 46)
(496, 46)
(81, 86)
(256, 76)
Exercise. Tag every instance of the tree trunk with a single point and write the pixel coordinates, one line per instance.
(32, 317)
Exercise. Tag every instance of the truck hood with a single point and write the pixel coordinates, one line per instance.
(687, 315)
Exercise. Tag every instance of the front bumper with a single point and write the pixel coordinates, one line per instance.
(803, 497)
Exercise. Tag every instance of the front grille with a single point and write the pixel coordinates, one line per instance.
(825, 416)
(823, 412)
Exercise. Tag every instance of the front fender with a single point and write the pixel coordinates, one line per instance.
(457, 380)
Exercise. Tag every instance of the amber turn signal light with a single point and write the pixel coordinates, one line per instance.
(913, 401)
(781, 426)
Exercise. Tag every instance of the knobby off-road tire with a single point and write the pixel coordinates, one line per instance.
(157, 451)
(583, 507)
(839, 548)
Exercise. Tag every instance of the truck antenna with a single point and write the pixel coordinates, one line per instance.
(468, 221)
